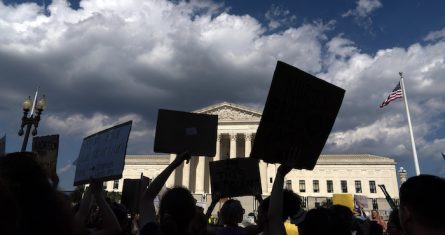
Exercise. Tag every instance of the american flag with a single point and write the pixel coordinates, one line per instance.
(395, 94)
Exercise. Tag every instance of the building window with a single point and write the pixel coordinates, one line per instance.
(116, 184)
(358, 186)
(270, 180)
(289, 184)
(302, 186)
(344, 186)
(316, 186)
(330, 186)
(372, 187)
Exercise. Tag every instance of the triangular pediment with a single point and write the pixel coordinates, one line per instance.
(231, 112)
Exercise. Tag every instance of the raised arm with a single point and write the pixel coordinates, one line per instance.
(147, 209)
(212, 206)
(110, 223)
(84, 208)
(275, 212)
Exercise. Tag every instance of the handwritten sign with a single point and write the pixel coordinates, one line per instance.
(102, 155)
(178, 131)
(299, 114)
(235, 177)
(47, 148)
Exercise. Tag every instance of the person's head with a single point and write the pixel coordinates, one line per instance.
(32, 205)
(342, 217)
(318, 221)
(232, 212)
(420, 205)
(291, 206)
(176, 211)
(198, 225)
(393, 226)
(375, 214)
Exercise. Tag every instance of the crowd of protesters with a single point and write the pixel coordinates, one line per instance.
(31, 204)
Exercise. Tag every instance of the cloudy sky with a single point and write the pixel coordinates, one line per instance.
(105, 62)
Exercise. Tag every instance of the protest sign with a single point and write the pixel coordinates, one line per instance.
(235, 177)
(132, 191)
(3, 145)
(345, 199)
(102, 155)
(361, 201)
(299, 114)
(177, 132)
(47, 149)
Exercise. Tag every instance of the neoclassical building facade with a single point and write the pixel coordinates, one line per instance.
(358, 174)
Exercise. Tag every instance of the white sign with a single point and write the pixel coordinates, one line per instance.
(102, 155)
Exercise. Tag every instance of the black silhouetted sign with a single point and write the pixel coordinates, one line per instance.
(132, 191)
(178, 131)
(47, 148)
(235, 177)
(299, 114)
(102, 155)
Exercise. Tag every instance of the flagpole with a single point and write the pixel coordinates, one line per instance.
(416, 162)
(34, 102)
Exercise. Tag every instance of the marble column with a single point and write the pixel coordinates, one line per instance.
(247, 144)
(233, 145)
(171, 180)
(263, 175)
(186, 174)
(218, 148)
(200, 175)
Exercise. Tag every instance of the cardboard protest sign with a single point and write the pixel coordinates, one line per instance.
(3, 145)
(177, 132)
(132, 191)
(47, 149)
(345, 199)
(361, 201)
(102, 155)
(235, 177)
(299, 114)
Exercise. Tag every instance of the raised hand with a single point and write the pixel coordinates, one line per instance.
(181, 157)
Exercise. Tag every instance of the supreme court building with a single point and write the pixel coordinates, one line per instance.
(358, 174)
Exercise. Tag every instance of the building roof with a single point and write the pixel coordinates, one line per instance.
(325, 159)
(354, 159)
(229, 112)
(147, 159)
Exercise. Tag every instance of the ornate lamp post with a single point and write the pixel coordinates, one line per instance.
(32, 120)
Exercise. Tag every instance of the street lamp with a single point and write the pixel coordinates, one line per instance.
(32, 120)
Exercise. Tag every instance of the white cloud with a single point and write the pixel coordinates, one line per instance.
(364, 8)
(435, 35)
(362, 13)
(79, 124)
(61, 171)
(278, 16)
(112, 61)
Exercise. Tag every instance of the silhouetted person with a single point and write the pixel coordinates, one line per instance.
(97, 219)
(231, 215)
(375, 216)
(177, 207)
(393, 226)
(421, 208)
(318, 221)
(342, 217)
(29, 204)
